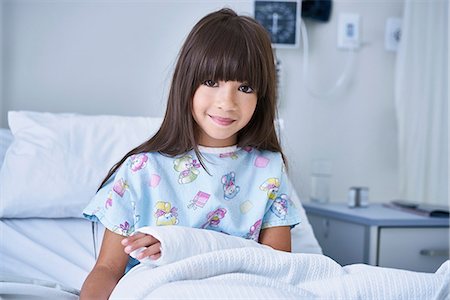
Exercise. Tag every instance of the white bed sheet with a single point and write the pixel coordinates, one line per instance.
(65, 256)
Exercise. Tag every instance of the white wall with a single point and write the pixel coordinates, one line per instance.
(116, 57)
(95, 56)
(355, 130)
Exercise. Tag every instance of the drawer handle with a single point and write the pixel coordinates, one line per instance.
(326, 225)
(434, 252)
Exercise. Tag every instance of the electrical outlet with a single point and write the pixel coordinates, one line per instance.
(348, 31)
(392, 33)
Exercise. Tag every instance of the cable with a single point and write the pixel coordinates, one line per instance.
(342, 79)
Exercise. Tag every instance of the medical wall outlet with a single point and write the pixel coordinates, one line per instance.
(349, 31)
(392, 33)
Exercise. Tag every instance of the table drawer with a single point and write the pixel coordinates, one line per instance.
(342, 241)
(416, 249)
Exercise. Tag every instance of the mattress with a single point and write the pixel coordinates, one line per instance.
(63, 257)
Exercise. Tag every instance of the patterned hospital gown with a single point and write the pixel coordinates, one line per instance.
(245, 191)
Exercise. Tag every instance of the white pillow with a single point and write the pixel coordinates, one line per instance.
(6, 138)
(56, 161)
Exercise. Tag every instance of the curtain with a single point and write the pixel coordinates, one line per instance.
(421, 96)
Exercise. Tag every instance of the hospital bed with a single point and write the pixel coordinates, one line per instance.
(51, 165)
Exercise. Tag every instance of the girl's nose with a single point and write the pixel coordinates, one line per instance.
(227, 99)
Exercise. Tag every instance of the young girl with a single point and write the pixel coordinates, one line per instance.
(215, 163)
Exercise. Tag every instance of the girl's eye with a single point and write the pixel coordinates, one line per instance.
(246, 89)
(210, 83)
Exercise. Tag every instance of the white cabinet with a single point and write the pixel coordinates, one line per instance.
(342, 241)
(380, 236)
(421, 249)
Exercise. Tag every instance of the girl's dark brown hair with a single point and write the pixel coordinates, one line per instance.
(221, 46)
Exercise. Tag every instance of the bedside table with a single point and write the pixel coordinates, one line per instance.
(379, 236)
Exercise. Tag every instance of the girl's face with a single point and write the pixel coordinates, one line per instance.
(221, 109)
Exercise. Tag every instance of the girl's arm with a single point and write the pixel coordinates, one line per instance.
(279, 238)
(108, 270)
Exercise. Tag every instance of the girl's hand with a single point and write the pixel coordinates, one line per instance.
(141, 240)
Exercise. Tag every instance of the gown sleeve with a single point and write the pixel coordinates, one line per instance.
(114, 204)
(282, 211)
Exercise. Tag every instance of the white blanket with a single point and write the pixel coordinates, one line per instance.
(194, 266)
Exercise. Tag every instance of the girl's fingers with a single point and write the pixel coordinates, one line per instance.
(155, 256)
(153, 251)
(130, 239)
(133, 238)
(144, 241)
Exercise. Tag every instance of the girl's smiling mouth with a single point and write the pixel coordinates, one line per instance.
(221, 121)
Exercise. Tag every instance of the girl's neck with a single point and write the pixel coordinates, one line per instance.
(217, 150)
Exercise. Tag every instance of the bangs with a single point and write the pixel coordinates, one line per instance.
(229, 56)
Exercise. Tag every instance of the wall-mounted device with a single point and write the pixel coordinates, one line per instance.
(348, 31)
(392, 33)
(317, 10)
(282, 18)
